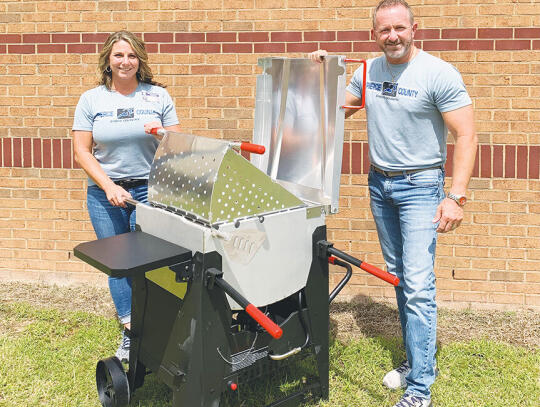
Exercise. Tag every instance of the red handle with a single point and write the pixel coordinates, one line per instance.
(269, 325)
(252, 148)
(154, 130)
(377, 272)
(364, 63)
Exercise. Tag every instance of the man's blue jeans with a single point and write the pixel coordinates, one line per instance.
(107, 221)
(403, 208)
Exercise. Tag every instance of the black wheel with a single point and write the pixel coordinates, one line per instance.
(112, 383)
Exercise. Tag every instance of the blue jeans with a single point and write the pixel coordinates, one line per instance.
(403, 208)
(107, 221)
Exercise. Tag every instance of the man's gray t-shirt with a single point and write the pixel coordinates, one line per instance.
(117, 122)
(404, 122)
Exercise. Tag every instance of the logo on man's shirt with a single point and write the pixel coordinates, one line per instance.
(125, 113)
(389, 89)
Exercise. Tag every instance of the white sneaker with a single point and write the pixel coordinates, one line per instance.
(122, 352)
(413, 401)
(395, 379)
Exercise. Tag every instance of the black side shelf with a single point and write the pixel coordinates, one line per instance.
(131, 254)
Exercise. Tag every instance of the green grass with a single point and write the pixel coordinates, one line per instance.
(48, 358)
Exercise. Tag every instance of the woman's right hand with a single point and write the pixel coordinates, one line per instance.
(116, 195)
(318, 56)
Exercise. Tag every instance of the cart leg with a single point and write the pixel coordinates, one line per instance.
(317, 304)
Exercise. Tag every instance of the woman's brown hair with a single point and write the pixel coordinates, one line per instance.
(144, 74)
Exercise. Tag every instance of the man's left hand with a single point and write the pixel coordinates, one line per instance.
(449, 215)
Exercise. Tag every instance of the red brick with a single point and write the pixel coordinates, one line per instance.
(51, 48)
(512, 44)
(34, 38)
(174, 48)
(27, 152)
(527, 32)
(345, 164)
(7, 152)
(336, 46)
(47, 153)
(21, 49)
(475, 45)
(302, 47)
(17, 152)
(353, 35)
(152, 48)
(356, 158)
(82, 48)
(275, 47)
(485, 160)
(428, 34)
(158, 37)
(457, 33)
(449, 160)
(205, 48)
(495, 33)
(237, 48)
(536, 44)
(57, 153)
(522, 162)
(365, 158)
(10, 38)
(509, 161)
(66, 153)
(66, 38)
(220, 37)
(534, 162)
(189, 37)
(97, 37)
(3, 48)
(286, 36)
(36, 152)
(320, 36)
(440, 45)
(498, 169)
(365, 46)
(254, 37)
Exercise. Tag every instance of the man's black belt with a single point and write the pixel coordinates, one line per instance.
(402, 172)
(131, 183)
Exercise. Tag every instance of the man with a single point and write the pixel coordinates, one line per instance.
(412, 100)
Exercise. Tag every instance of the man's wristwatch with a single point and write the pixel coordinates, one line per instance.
(461, 200)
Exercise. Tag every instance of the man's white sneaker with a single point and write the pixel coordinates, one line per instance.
(395, 379)
(413, 401)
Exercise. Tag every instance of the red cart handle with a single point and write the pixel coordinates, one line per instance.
(363, 104)
(252, 148)
(270, 326)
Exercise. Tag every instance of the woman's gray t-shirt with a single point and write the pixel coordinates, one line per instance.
(117, 122)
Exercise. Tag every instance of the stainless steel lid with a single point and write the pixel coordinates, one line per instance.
(299, 119)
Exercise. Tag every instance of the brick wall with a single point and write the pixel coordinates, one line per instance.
(207, 54)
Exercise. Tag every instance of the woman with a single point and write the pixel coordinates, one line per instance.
(113, 145)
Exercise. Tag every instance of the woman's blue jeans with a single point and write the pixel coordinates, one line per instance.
(403, 208)
(107, 221)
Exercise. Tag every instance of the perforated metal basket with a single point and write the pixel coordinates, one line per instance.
(206, 179)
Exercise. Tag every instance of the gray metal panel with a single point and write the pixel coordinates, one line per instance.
(298, 118)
